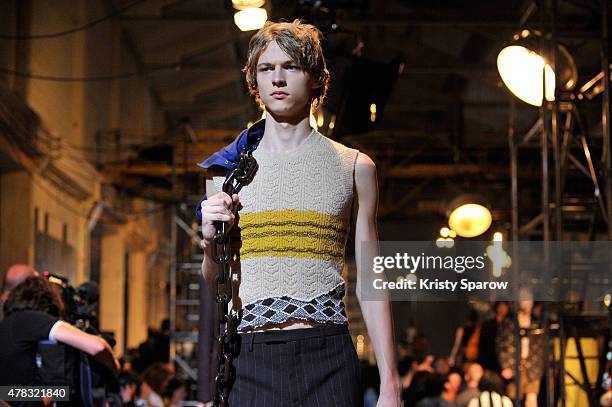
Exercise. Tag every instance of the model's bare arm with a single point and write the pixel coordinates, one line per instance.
(219, 206)
(376, 314)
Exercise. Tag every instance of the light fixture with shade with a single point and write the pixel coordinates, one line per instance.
(250, 19)
(469, 216)
(522, 69)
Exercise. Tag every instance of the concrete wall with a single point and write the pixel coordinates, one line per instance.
(75, 112)
(112, 287)
(16, 225)
(138, 308)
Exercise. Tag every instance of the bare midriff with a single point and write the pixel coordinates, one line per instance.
(286, 326)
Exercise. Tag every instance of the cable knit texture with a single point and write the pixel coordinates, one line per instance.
(295, 221)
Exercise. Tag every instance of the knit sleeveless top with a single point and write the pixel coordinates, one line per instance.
(295, 221)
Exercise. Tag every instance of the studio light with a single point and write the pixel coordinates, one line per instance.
(250, 19)
(469, 216)
(522, 69)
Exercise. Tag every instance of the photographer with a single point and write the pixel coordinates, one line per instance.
(32, 314)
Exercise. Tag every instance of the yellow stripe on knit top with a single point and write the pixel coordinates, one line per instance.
(296, 233)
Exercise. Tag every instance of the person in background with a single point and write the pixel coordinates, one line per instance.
(487, 354)
(472, 377)
(176, 392)
(16, 274)
(463, 334)
(532, 351)
(32, 314)
(442, 390)
(128, 383)
(154, 383)
(491, 389)
(404, 360)
(413, 382)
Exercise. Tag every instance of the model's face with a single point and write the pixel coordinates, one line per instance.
(284, 87)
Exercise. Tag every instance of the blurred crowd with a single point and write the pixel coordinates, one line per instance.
(481, 367)
(41, 328)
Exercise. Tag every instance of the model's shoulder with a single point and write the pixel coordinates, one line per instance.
(364, 161)
(335, 145)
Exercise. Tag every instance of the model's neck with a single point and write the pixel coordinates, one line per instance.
(282, 136)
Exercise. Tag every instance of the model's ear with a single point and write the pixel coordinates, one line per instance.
(314, 85)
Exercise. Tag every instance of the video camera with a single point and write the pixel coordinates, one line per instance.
(80, 304)
(58, 364)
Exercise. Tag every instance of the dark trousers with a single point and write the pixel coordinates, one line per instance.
(311, 367)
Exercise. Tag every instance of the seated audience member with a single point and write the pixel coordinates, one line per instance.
(176, 392)
(491, 389)
(441, 390)
(154, 383)
(128, 382)
(32, 314)
(414, 382)
(472, 377)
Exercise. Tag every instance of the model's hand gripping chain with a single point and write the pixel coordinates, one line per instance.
(221, 251)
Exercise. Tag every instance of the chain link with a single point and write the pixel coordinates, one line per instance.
(226, 328)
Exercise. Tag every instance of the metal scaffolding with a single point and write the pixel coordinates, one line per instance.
(562, 130)
(185, 268)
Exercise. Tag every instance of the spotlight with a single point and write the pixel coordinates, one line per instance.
(521, 69)
(469, 216)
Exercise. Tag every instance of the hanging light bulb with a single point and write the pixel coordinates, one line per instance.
(445, 232)
(332, 122)
(468, 216)
(250, 19)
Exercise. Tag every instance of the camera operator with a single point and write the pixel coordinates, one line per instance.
(32, 314)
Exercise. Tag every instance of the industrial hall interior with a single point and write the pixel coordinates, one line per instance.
(306, 203)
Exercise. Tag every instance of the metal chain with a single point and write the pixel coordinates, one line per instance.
(226, 329)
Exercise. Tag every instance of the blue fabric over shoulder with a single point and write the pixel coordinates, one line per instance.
(229, 156)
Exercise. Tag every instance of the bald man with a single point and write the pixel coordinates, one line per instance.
(14, 276)
(472, 377)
